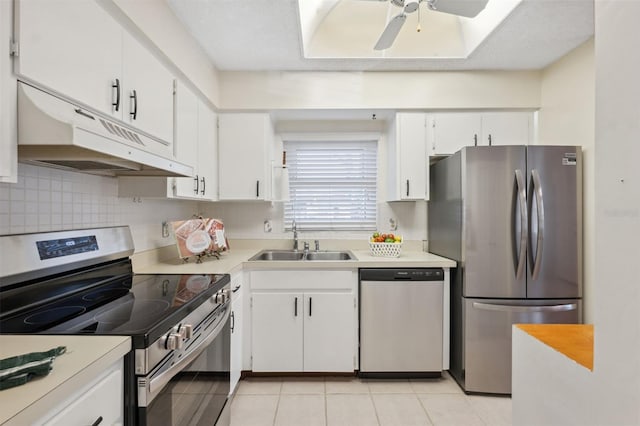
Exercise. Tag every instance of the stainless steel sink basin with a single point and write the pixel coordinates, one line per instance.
(291, 255)
(330, 255)
(278, 255)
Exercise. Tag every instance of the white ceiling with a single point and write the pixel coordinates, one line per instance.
(266, 35)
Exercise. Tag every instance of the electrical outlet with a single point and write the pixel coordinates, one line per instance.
(267, 226)
(393, 225)
(165, 229)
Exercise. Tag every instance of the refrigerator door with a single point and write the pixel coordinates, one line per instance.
(554, 176)
(494, 221)
(487, 340)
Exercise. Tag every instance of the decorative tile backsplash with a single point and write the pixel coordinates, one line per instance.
(47, 199)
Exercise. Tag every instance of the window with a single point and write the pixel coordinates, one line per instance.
(332, 185)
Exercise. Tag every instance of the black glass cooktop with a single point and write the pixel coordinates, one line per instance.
(106, 300)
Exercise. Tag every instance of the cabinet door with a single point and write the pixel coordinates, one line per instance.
(148, 92)
(276, 330)
(236, 331)
(186, 141)
(507, 128)
(243, 143)
(411, 156)
(449, 132)
(8, 96)
(85, 411)
(329, 332)
(71, 47)
(207, 150)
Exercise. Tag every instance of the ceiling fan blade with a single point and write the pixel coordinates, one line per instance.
(390, 32)
(466, 8)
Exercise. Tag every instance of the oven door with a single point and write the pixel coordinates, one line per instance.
(197, 394)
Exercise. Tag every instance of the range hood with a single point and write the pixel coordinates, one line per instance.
(55, 133)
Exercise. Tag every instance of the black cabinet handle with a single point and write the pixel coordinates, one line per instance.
(197, 185)
(116, 86)
(134, 96)
(489, 140)
(407, 187)
(203, 185)
(236, 288)
(233, 321)
(257, 189)
(97, 422)
(310, 304)
(295, 306)
(475, 139)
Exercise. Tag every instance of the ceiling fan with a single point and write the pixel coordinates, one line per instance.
(466, 8)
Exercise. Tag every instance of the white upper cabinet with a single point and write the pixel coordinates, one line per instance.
(407, 156)
(147, 90)
(207, 152)
(79, 51)
(73, 48)
(507, 128)
(245, 141)
(448, 132)
(186, 120)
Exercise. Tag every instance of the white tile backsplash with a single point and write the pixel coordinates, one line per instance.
(50, 200)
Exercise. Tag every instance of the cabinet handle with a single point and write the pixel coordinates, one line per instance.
(475, 139)
(116, 86)
(97, 422)
(197, 185)
(233, 321)
(134, 97)
(295, 307)
(310, 304)
(236, 288)
(203, 185)
(407, 187)
(489, 140)
(257, 189)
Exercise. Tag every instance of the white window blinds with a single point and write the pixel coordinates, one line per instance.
(332, 185)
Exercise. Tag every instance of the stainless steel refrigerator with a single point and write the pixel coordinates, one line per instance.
(511, 216)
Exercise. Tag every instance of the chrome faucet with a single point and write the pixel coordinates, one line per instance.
(317, 243)
(295, 235)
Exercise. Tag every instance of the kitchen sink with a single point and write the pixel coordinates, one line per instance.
(287, 255)
(278, 255)
(330, 255)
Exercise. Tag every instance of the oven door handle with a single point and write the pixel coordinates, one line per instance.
(157, 383)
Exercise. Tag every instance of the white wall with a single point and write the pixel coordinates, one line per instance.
(47, 199)
(610, 394)
(567, 117)
(388, 90)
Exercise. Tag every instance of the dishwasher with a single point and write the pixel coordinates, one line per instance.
(401, 317)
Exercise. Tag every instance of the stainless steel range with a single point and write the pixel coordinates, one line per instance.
(82, 282)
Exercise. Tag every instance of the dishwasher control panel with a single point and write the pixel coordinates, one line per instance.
(405, 274)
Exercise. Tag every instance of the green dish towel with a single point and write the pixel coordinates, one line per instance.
(19, 369)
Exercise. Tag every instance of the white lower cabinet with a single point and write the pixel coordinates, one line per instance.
(303, 321)
(237, 327)
(99, 402)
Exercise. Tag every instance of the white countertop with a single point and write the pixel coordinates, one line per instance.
(237, 259)
(85, 359)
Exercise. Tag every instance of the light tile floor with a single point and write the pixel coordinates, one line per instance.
(334, 401)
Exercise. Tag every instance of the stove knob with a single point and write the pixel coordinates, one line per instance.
(186, 331)
(173, 341)
(220, 297)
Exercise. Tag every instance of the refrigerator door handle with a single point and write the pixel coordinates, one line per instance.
(519, 308)
(537, 192)
(522, 197)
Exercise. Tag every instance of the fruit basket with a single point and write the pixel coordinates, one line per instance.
(385, 245)
(385, 249)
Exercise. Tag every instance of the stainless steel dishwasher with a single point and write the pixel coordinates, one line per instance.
(401, 322)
